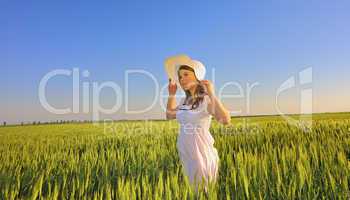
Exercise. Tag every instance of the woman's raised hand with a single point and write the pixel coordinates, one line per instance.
(172, 87)
(208, 86)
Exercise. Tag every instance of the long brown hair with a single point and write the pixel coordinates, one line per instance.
(199, 92)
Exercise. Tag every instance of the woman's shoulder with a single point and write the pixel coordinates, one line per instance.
(202, 105)
(182, 100)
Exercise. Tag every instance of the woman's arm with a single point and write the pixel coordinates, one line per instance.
(171, 105)
(217, 109)
(215, 106)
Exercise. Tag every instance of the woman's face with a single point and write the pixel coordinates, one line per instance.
(187, 79)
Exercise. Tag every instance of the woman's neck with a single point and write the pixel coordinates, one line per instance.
(192, 96)
(192, 91)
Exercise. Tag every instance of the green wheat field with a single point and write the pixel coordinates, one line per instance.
(261, 157)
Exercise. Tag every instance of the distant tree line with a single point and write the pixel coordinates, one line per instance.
(51, 122)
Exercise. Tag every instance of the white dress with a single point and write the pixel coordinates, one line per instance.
(198, 156)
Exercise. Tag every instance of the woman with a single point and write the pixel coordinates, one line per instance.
(198, 156)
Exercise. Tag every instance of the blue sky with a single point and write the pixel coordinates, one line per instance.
(244, 41)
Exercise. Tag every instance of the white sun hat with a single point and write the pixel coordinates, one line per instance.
(173, 63)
